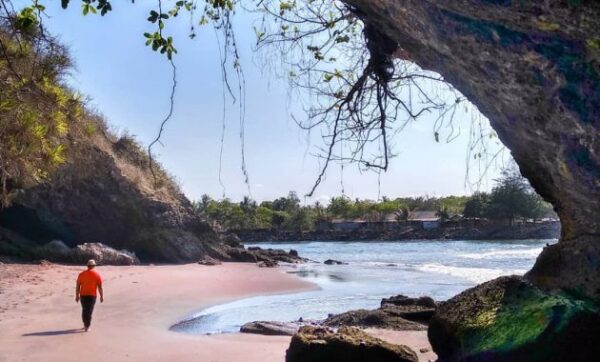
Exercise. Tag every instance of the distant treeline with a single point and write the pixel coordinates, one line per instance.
(511, 199)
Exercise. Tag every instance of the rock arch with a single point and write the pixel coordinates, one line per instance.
(533, 68)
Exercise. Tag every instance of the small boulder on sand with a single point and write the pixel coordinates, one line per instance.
(348, 344)
(209, 261)
(267, 264)
(103, 255)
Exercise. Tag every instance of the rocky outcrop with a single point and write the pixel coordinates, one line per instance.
(509, 319)
(209, 261)
(450, 230)
(277, 255)
(403, 300)
(318, 344)
(388, 317)
(103, 255)
(533, 68)
(107, 192)
(398, 313)
(57, 251)
(259, 255)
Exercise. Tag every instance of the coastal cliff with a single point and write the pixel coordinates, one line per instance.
(106, 192)
(533, 68)
(446, 231)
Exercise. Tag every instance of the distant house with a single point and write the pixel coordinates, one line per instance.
(427, 219)
(347, 225)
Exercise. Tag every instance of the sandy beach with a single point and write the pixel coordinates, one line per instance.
(40, 321)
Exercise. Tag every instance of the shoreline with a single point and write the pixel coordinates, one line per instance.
(40, 320)
(447, 232)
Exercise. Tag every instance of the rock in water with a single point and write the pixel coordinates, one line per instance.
(399, 313)
(271, 328)
(334, 262)
(388, 317)
(403, 300)
(509, 319)
(103, 255)
(318, 344)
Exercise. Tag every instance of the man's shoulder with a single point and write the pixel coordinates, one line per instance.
(89, 272)
(96, 274)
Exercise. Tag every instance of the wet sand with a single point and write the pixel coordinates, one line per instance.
(40, 321)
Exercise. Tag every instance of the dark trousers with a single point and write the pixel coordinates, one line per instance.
(87, 308)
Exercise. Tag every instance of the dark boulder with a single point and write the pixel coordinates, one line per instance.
(56, 251)
(240, 255)
(318, 344)
(398, 313)
(209, 261)
(267, 264)
(509, 319)
(231, 239)
(403, 300)
(334, 262)
(277, 255)
(256, 254)
(271, 328)
(389, 317)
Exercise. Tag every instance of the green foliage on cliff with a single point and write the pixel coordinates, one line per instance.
(43, 122)
(37, 112)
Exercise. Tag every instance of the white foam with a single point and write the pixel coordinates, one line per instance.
(504, 254)
(476, 275)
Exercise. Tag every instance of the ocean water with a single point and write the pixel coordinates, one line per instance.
(375, 270)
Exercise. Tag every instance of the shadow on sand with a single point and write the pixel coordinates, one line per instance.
(54, 333)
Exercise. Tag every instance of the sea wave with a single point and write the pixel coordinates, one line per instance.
(504, 254)
(476, 275)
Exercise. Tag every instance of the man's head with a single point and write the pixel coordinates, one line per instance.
(91, 264)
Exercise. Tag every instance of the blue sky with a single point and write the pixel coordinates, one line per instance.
(130, 85)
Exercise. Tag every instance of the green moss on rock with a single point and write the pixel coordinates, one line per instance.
(508, 319)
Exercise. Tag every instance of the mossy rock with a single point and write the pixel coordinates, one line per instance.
(509, 319)
(348, 344)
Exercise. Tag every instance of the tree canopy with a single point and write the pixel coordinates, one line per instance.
(512, 198)
(361, 93)
(37, 111)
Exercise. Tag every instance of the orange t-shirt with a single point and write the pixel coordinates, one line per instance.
(89, 280)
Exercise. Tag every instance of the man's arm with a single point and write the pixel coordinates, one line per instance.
(101, 291)
(77, 290)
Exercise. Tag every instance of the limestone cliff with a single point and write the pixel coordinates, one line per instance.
(533, 68)
(107, 193)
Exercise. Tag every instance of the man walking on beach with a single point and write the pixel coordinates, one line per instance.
(88, 282)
